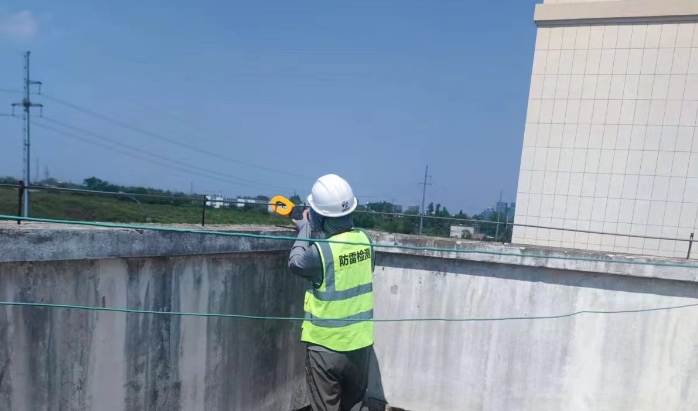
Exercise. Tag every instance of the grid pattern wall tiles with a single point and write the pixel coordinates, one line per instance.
(610, 142)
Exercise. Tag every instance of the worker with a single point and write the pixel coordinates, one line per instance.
(340, 279)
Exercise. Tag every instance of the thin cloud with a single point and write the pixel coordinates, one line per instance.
(22, 25)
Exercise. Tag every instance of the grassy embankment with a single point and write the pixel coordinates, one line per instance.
(82, 207)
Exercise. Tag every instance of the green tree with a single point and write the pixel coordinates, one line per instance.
(493, 230)
(381, 207)
(9, 180)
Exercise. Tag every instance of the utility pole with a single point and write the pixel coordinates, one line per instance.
(496, 235)
(424, 196)
(506, 218)
(27, 105)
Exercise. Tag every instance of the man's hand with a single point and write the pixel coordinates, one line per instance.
(305, 218)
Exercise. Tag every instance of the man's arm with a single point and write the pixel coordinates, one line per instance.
(305, 260)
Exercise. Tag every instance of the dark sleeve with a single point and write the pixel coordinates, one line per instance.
(305, 260)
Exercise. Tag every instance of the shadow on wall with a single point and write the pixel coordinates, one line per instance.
(571, 278)
(376, 395)
(73, 359)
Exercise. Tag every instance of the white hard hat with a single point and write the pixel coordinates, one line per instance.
(332, 196)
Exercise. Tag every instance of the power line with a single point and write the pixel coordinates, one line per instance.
(167, 139)
(127, 146)
(460, 204)
(216, 176)
(138, 103)
(178, 119)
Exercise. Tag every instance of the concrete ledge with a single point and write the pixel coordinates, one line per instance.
(616, 11)
(58, 242)
(547, 257)
(46, 242)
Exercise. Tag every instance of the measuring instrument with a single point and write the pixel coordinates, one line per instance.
(285, 208)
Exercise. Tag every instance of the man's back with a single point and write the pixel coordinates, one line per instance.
(339, 300)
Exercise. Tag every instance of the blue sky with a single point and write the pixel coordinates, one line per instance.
(370, 90)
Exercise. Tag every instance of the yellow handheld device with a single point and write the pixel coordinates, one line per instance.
(285, 208)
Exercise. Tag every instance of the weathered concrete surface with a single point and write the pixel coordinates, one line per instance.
(643, 361)
(58, 242)
(60, 359)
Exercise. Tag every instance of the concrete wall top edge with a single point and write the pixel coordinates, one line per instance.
(616, 12)
(56, 244)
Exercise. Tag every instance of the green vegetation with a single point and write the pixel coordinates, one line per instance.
(435, 227)
(180, 208)
(122, 209)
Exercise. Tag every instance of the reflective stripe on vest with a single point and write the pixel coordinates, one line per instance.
(337, 310)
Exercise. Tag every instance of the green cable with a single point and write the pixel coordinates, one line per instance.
(399, 246)
(259, 317)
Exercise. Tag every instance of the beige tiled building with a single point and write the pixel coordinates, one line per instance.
(610, 143)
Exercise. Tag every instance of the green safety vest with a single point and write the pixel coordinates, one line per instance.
(346, 293)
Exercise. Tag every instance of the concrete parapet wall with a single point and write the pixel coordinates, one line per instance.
(59, 359)
(54, 359)
(639, 361)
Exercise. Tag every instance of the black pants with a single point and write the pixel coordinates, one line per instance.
(337, 381)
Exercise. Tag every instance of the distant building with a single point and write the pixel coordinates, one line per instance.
(397, 208)
(458, 231)
(499, 207)
(215, 201)
(241, 202)
(618, 158)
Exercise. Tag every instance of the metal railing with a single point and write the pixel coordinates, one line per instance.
(204, 200)
(507, 223)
